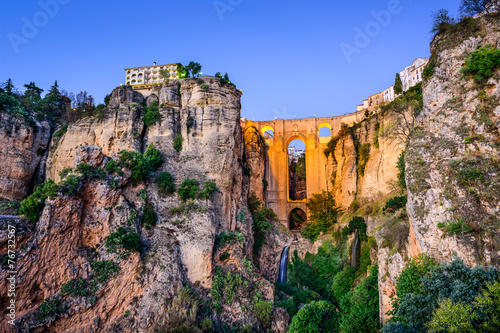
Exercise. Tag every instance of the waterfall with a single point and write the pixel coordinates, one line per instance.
(284, 261)
(354, 250)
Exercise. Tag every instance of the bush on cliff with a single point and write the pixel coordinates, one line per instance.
(140, 165)
(481, 63)
(262, 218)
(189, 189)
(152, 114)
(123, 239)
(165, 183)
(33, 205)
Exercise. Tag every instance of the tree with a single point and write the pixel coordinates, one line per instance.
(8, 87)
(194, 67)
(439, 19)
(315, 317)
(398, 85)
(106, 99)
(165, 74)
(32, 90)
(473, 7)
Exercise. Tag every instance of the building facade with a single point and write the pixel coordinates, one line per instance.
(412, 74)
(147, 76)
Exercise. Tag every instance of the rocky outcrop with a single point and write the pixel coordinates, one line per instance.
(452, 163)
(379, 175)
(21, 149)
(255, 159)
(119, 129)
(181, 248)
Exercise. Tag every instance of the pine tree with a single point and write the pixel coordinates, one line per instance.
(398, 85)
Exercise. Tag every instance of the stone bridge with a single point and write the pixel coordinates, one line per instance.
(317, 175)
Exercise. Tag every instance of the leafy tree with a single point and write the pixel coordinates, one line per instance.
(70, 185)
(473, 7)
(489, 308)
(363, 312)
(454, 281)
(165, 183)
(440, 18)
(323, 214)
(188, 189)
(165, 74)
(398, 85)
(194, 68)
(453, 318)
(342, 283)
(107, 98)
(315, 317)
(263, 312)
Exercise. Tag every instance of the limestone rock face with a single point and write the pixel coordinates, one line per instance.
(21, 149)
(255, 158)
(180, 249)
(120, 128)
(380, 172)
(452, 164)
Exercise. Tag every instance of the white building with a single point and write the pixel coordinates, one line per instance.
(389, 94)
(412, 74)
(147, 76)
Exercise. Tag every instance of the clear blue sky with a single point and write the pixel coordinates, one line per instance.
(285, 55)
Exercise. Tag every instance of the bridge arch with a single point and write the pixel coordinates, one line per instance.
(297, 219)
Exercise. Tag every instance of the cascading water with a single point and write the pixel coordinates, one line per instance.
(354, 252)
(284, 261)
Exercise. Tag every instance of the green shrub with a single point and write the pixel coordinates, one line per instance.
(104, 270)
(113, 167)
(189, 123)
(50, 309)
(123, 239)
(224, 256)
(481, 63)
(263, 312)
(262, 218)
(363, 157)
(188, 189)
(70, 185)
(356, 223)
(401, 170)
(458, 227)
(153, 158)
(394, 204)
(342, 283)
(209, 188)
(362, 314)
(64, 172)
(150, 217)
(75, 287)
(207, 325)
(152, 114)
(178, 139)
(429, 69)
(89, 172)
(204, 87)
(33, 205)
(320, 316)
(165, 183)
(136, 163)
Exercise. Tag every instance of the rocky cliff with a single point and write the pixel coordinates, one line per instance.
(22, 147)
(452, 163)
(199, 244)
